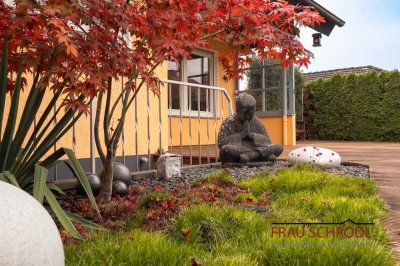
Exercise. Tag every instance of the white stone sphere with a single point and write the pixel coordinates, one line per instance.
(28, 234)
(321, 157)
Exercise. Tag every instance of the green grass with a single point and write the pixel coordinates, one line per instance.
(220, 234)
(221, 178)
(154, 196)
(133, 248)
(243, 197)
(258, 184)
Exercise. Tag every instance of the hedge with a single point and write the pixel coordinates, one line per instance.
(362, 107)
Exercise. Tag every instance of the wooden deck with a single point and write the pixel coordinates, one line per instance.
(382, 157)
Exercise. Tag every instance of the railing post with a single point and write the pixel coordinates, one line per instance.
(180, 119)
(215, 124)
(160, 123)
(92, 141)
(55, 144)
(136, 131)
(148, 128)
(208, 110)
(199, 123)
(263, 86)
(190, 126)
(170, 115)
(123, 127)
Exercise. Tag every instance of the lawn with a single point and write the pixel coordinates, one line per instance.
(218, 222)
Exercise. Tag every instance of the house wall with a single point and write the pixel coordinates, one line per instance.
(274, 125)
(275, 128)
(82, 127)
(207, 126)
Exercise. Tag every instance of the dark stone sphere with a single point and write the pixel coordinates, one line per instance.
(95, 184)
(119, 188)
(122, 173)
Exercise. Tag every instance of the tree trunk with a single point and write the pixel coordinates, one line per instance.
(107, 178)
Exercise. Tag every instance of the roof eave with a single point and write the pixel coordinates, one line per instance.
(331, 20)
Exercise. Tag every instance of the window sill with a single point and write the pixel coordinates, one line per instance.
(192, 114)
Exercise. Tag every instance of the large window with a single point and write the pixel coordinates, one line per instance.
(272, 86)
(199, 69)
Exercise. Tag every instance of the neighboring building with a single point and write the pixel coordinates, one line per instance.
(311, 76)
(193, 101)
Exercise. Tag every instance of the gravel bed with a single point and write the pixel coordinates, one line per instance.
(190, 174)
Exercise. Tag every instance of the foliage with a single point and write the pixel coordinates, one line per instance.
(21, 152)
(223, 234)
(354, 107)
(80, 48)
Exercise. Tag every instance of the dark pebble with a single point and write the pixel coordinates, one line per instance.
(189, 175)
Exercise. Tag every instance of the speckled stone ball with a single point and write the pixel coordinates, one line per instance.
(322, 157)
(28, 235)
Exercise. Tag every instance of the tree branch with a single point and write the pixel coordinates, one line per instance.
(106, 123)
(96, 129)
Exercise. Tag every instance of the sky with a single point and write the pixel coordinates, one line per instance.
(371, 36)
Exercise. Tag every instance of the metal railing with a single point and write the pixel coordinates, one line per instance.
(202, 108)
(214, 109)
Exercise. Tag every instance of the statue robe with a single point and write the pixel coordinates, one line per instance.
(230, 133)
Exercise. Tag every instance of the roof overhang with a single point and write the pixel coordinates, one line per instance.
(331, 20)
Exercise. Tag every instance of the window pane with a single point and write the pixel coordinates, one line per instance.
(174, 73)
(273, 76)
(273, 100)
(198, 69)
(257, 94)
(203, 100)
(264, 82)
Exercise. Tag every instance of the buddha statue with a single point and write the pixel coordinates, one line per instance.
(243, 139)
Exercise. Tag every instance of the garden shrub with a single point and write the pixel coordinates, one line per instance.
(362, 107)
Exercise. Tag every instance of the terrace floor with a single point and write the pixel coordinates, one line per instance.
(383, 158)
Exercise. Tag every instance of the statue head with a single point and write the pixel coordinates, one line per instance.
(245, 107)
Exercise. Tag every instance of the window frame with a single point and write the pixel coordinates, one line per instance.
(184, 92)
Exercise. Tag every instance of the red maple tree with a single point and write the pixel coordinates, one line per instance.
(81, 46)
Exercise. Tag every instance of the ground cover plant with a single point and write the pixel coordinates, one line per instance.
(211, 223)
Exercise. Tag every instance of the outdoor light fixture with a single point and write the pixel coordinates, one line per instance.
(317, 39)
